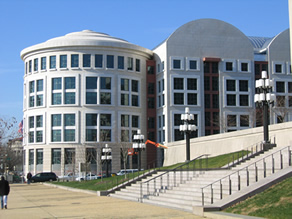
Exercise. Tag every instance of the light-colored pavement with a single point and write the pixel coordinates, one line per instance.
(40, 201)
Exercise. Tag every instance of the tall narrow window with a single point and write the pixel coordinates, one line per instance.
(63, 61)
(138, 65)
(110, 61)
(36, 64)
(74, 61)
(43, 63)
(52, 62)
(121, 62)
(98, 61)
(130, 64)
(86, 60)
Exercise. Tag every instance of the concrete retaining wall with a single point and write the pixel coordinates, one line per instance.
(227, 142)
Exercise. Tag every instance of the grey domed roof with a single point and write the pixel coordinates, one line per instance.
(85, 38)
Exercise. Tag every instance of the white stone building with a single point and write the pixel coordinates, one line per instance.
(86, 89)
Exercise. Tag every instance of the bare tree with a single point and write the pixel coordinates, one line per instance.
(280, 108)
(124, 146)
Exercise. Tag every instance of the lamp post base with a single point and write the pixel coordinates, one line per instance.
(268, 146)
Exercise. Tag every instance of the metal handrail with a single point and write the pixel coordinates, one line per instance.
(167, 172)
(256, 170)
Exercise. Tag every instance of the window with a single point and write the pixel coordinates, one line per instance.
(289, 87)
(151, 88)
(69, 155)
(39, 121)
(231, 100)
(56, 83)
(151, 102)
(86, 60)
(192, 99)
(278, 68)
(243, 85)
(176, 64)
(150, 70)
(244, 120)
(29, 66)
(98, 61)
(138, 65)
(40, 85)
(243, 100)
(70, 83)
(193, 64)
(121, 62)
(43, 63)
(31, 157)
(130, 64)
(91, 93)
(135, 86)
(36, 64)
(135, 121)
(31, 87)
(231, 85)
(63, 61)
(178, 98)
(39, 136)
(280, 87)
(56, 120)
(244, 67)
(91, 119)
(192, 83)
(56, 156)
(91, 82)
(39, 156)
(125, 120)
(215, 83)
(231, 120)
(31, 122)
(178, 83)
(129, 96)
(52, 62)
(74, 61)
(229, 66)
(110, 61)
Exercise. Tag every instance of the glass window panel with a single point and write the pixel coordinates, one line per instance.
(125, 120)
(70, 98)
(105, 83)
(86, 60)
(91, 134)
(231, 100)
(56, 83)
(110, 61)
(69, 119)
(98, 61)
(243, 100)
(125, 84)
(105, 119)
(70, 83)
(176, 64)
(69, 135)
(36, 64)
(91, 82)
(40, 85)
(229, 66)
(121, 62)
(91, 119)
(63, 61)
(31, 87)
(231, 85)
(192, 83)
(135, 121)
(56, 98)
(74, 61)
(244, 66)
(178, 83)
(105, 98)
(56, 135)
(31, 122)
(177, 120)
(280, 87)
(178, 98)
(56, 120)
(56, 156)
(135, 100)
(39, 100)
(105, 135)
(43, 63)
(244, 120)
(39, 136)
(125, 99)
(91, 98)
(31, 137)
(52, 62)
(39, 121)
(29, 65)
(192, 99)
(138, 65)
(193, 64)
(130, 64)
(231, 120)
(135, 86)
(31, 101)
(215, 83)
(243, 85)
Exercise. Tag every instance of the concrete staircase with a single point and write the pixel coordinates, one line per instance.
(186, 189)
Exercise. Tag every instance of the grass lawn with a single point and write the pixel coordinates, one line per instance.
(275, 202)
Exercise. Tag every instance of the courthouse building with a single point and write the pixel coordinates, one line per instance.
(87, 89)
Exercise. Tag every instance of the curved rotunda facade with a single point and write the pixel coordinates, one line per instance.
(81, 91)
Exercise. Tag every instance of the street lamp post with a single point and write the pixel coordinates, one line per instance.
(139, 146)
(106, 156)
(187, 128)
(264, 98)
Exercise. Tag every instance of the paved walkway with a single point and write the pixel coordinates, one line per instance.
(40, 201)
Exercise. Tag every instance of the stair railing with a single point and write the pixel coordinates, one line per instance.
(253, 167)
(163, 181)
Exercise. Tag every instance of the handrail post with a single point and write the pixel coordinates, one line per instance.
(281, 159)
(289, 156)
(188, 172)
(256, 172)
(141, 193)
(247, 177)
(207, 161)
(230, 189)
(211, 194)
(273, 164)
(203, 197)
(238, 177)
(174, 178)
(265, 170)
(167, 180)
(221, 195)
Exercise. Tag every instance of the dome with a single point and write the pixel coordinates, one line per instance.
(85, 38)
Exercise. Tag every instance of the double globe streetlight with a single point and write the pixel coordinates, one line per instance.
(139, 146)
(187, 128)
(264, 98)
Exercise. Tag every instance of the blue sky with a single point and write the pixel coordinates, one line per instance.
(147, 23)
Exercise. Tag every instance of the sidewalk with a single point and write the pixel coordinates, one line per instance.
(40, 201)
